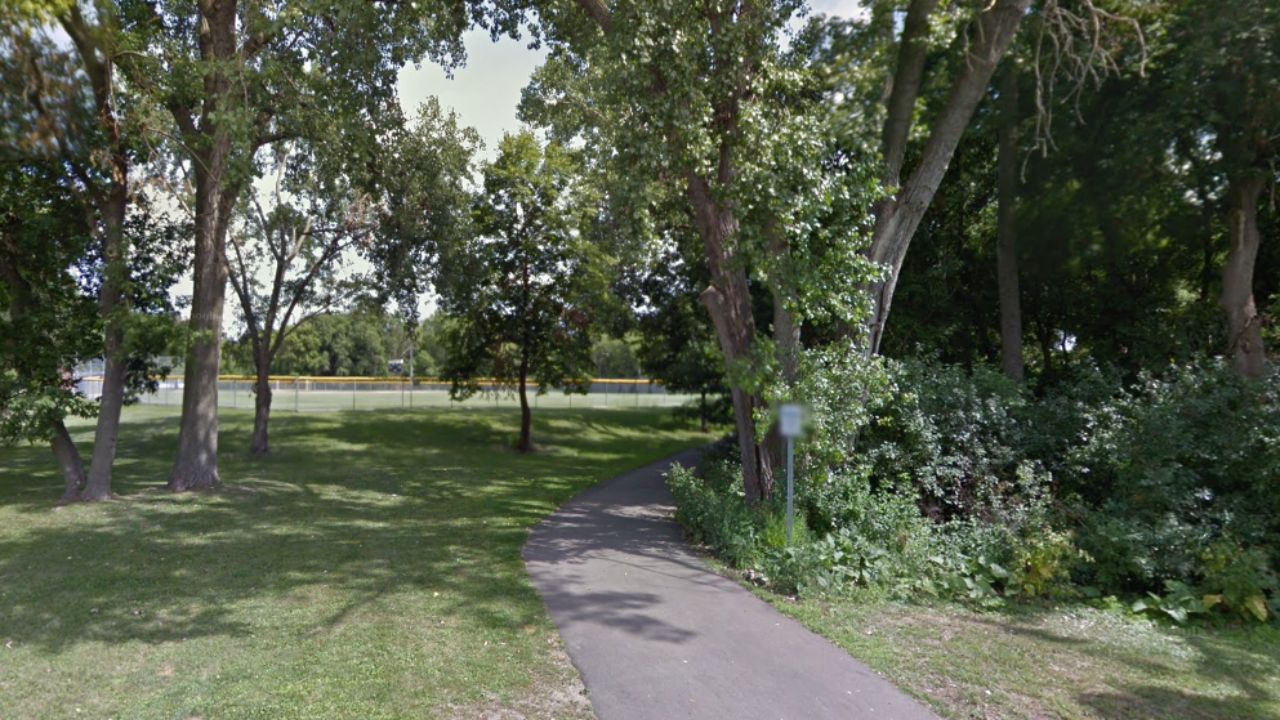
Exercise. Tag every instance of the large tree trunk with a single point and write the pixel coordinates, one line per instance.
(728, 301)
(526, 416)
(1244, 324)
(261, 410)
(196, 465)
(112, 201)
(112, 303)
(68, 461)
(1007, 231)
(897, 220)
(913, 49)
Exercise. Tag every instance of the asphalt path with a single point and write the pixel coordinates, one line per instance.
(656, 635)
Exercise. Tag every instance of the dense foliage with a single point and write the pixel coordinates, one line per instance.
(968, 485)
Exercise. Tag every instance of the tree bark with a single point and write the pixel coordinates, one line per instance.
(113, 202)
(526, 415)
(196, 465)
(728, 301)
(1244, 324)
(1007, 232)
(727, 298)
(786, 338)
(112, 304)
(261, 410)
(786, 342)
(905, 87)
(897, 220)
(69, 461)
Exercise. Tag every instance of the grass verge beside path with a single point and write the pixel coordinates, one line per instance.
(370, 568)
(1067, 663)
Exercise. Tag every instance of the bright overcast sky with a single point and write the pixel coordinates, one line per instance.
(485, 92)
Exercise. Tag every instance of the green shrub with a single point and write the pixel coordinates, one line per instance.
(1167, 468)
(722, 522)
(923, 478)
(1238, 579)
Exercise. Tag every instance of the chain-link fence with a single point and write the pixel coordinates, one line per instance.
(315, 394)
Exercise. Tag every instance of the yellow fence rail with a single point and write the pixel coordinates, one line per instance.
(347, 380)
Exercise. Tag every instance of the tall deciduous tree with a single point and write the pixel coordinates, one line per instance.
(702, 99)
(76, 114)
(1225, 69)
(518, 290)
(1075, 42)
(421, 176)
(297, 240)
(898, 217)
(236, 76)
(1007, 229)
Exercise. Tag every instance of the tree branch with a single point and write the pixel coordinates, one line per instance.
(598, 12)
(912, 49)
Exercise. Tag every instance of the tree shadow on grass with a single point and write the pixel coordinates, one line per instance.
(351, 513)
(1239, 665)
(1235, 668)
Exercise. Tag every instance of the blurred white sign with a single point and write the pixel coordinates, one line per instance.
(789, 420)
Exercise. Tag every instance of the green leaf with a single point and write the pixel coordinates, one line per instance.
(1257, 606)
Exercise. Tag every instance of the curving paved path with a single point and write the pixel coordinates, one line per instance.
(656, 635)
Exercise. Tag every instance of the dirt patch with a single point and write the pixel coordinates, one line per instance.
(558, 696)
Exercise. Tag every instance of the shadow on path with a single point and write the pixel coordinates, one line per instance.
(657, 635)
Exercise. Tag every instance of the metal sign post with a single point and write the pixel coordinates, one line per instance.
(790, 419)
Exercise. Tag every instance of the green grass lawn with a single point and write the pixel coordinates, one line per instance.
(1071, 663)
(370, 568)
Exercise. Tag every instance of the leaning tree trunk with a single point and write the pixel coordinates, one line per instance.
(1244, 324)
(1007, 231)
(897, 220)
(111, 302)
(728, 301)
(97, 57)
(261, 409)
(64, 450)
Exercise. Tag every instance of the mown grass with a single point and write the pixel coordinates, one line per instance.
(369, 568)
(1055, 664)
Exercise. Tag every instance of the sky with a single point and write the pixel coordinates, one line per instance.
(486, 91)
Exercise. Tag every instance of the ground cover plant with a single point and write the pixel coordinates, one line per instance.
(369, 567)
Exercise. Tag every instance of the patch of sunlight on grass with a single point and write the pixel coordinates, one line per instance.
(1069, 663)
(370, 567)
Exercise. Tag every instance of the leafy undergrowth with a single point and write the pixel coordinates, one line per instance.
(1062, 664)
(369, 568)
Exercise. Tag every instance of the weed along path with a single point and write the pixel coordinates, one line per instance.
(657, 635)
